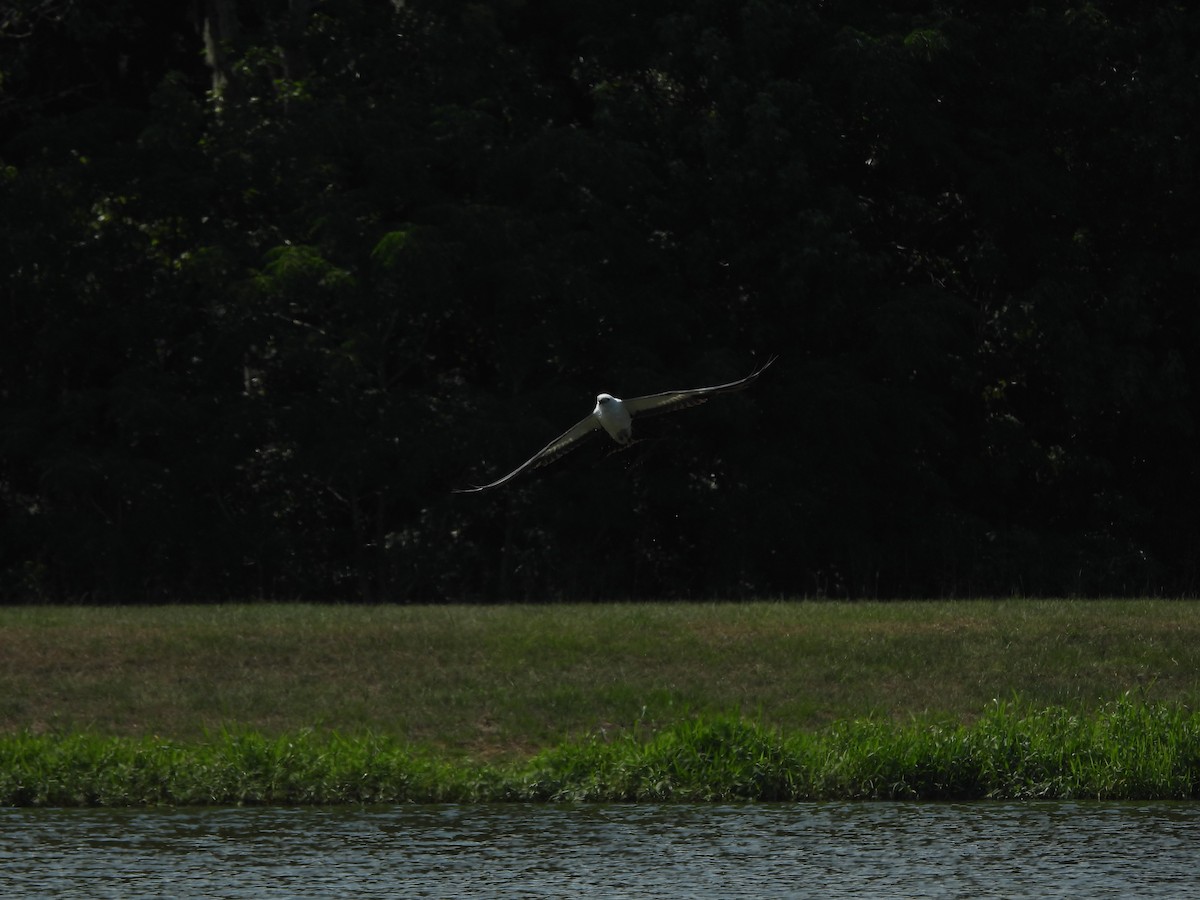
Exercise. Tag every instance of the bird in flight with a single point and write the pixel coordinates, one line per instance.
(616, 416)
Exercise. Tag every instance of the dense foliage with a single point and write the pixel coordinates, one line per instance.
(278, 276)
(1125, 751)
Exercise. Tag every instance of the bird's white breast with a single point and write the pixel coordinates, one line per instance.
(614, 417)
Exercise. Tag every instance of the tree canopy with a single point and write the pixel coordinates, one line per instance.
(279, 276)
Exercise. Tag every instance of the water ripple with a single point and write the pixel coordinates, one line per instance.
(680, 851)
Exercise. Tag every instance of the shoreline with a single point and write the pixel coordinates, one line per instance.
(1127, 750)
(246, 703)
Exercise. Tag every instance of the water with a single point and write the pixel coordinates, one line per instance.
(767, 850)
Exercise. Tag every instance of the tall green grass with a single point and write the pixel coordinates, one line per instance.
(1127, 749)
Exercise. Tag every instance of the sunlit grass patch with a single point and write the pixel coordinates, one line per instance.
(1125, 750)
(505, 681)
(232, 769)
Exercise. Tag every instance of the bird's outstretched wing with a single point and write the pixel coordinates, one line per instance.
(670, 401)
(580, 431)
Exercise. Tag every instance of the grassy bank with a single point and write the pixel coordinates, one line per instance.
(505, 682)
(1125, 750)
(319, 704)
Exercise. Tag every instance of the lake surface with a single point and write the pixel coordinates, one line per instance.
(763, 850)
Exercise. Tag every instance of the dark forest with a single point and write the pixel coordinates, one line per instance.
(278, 276)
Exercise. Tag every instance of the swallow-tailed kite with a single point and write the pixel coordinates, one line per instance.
(616, 417)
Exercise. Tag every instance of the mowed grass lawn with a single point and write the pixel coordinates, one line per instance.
(506, 681)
